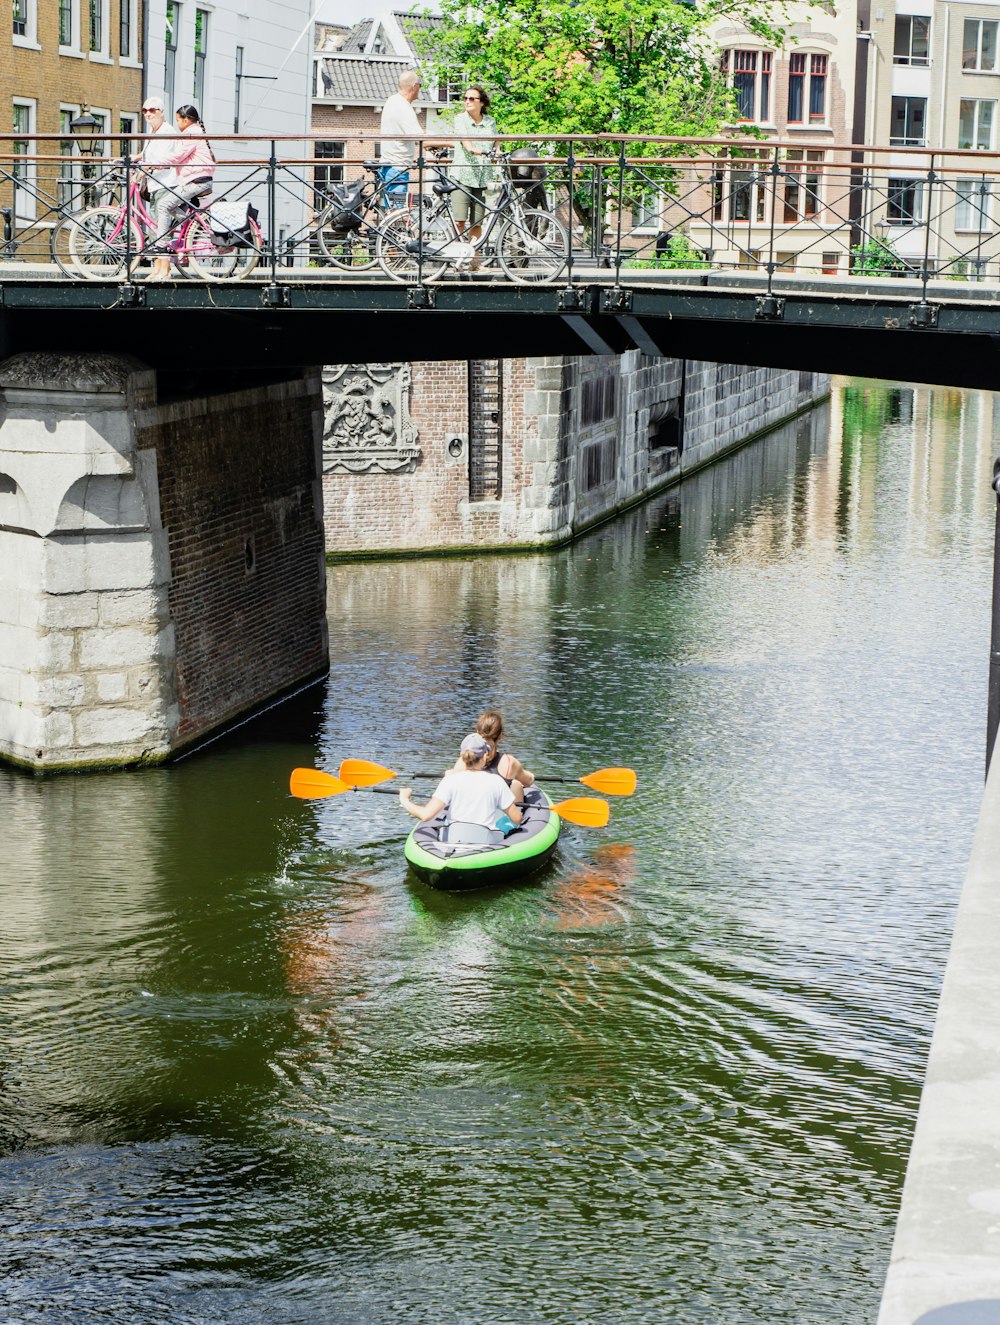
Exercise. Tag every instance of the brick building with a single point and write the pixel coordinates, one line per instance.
(63, 57)
(354, 73)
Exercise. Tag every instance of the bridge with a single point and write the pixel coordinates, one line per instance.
(875, 261)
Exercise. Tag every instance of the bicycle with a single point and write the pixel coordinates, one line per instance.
(348, 225)
(530, 245)
(97, 243)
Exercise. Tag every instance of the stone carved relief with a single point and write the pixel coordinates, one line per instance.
(366, 419)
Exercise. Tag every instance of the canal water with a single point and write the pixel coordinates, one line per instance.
(253, 1071)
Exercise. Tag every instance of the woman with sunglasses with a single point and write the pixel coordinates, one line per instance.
(471, 167)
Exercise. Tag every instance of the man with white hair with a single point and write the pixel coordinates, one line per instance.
(399, 117)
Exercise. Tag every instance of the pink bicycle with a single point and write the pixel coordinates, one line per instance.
(92, 243)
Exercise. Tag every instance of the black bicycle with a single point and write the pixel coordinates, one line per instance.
(350, 220)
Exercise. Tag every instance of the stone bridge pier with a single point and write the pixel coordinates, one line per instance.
(161, 555)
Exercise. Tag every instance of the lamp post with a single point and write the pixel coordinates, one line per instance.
(84, 128)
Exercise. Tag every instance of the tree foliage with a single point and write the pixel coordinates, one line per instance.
(595, 66)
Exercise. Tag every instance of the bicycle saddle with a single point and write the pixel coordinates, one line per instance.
(445, 187)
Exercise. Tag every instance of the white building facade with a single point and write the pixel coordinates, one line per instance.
(247, 66)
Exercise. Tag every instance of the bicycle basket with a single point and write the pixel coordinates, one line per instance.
(230, 223)
(346, 200)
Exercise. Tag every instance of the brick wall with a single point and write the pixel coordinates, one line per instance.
(582, 438)
(241, 505)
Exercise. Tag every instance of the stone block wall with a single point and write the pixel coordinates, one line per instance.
(581, 439)
(161, 562)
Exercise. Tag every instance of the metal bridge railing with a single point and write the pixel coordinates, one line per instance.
(622, 210)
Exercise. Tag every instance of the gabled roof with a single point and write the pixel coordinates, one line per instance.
(365, 80)
(355, 43)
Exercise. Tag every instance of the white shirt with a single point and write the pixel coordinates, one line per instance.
(398, 116)
(474, 798)
(154, 152)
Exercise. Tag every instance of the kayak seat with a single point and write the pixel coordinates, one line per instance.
(470, 834)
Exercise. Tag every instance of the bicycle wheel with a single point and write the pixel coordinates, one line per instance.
(532, 247)
(350, 250)
(399, 248)
(212, 260)
(95, 243)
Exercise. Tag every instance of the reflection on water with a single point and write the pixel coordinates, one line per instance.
(251, 1070)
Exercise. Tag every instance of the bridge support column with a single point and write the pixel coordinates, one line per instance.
(161, 558)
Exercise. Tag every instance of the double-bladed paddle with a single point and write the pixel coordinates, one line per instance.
(311, 784)
(608, 781)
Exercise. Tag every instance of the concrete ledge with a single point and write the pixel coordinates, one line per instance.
(945, 1265)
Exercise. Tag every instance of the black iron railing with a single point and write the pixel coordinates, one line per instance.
(612, 208)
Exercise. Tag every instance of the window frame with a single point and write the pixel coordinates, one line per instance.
(973, 210)
(71, 9)
(812, 68)
(102, 9)
(978, 102)
(977, 54)
(906, 140)
(909, 59)
(904, 184)
(128, 20)
(29, 37)
(171, 10)
(25, 202)
(757, 65)
(200, 56)
(328, 167)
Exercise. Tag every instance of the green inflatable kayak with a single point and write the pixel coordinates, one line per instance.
(457, 866)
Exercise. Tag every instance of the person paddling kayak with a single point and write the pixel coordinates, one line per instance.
(472, 796)
(489, 725)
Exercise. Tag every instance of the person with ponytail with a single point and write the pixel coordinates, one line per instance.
(192, 158)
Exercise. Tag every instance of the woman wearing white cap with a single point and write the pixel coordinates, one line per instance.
(473, 796)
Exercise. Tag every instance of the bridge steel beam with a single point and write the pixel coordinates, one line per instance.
(884, 330)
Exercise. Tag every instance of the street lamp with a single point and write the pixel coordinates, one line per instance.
(84, 128)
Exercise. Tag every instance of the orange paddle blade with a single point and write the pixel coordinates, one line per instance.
(611, 781)
(310, 783)
(584, 810)
(360, 773)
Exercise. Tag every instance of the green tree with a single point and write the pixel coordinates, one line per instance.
(595, 66)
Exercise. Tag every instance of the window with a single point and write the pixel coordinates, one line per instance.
(451, 86)
(975, 124)
(749, 75)
(23, 172)
(743, 200)
(830, 266)
(972, 205)
(597, 400)
(239, 89)
(600, 463)
(126, 127)
(97, 25)
(907, 123)
(25, 30)
(170, 55)
(128, 27)
(802, 184)
(905, 204)
(66, 183)
(325, 172)
(807, 75)
(200, 52)
(67, 22)
(912, 44)
(979, 45)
